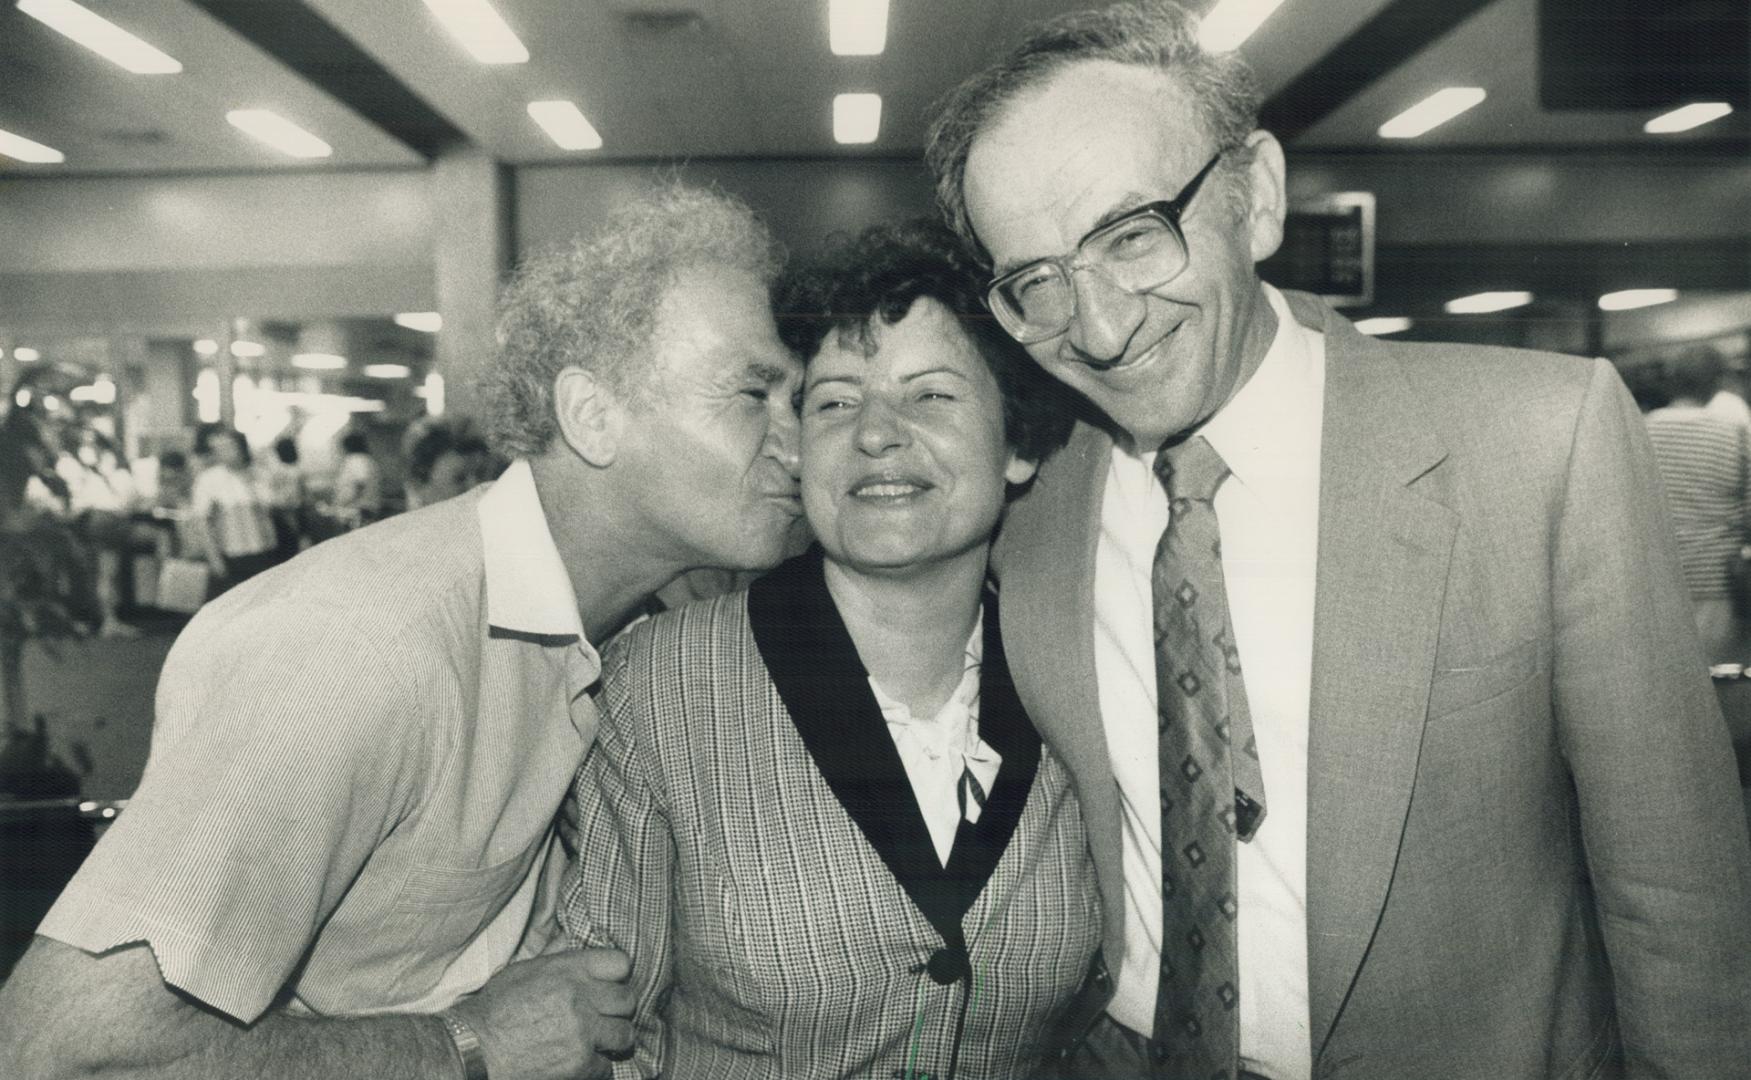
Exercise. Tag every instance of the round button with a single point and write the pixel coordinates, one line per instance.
(948, 965)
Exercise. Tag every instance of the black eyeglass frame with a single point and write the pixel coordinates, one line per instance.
(1169, 210)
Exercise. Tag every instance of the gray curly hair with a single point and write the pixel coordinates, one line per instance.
(1142, 34)
(595, 304)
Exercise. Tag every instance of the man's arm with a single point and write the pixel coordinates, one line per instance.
(1661, 813)
(65, 1013)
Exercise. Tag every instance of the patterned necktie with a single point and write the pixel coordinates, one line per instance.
(1209, 791)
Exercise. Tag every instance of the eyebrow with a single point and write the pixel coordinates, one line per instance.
(767, 372)
(1128, 203)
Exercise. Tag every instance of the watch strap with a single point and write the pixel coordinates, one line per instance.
(468, 1048)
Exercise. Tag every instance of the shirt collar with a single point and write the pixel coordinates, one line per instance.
(1270, 426)
(527, 588)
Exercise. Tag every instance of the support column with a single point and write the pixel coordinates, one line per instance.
(472, 208)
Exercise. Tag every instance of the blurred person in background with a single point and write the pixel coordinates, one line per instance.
(283, 488)
(439, 462)
(358, 486)
(229, 509)
(911, 889)
(101, 496)
(345, 834)
(1371, 660)
(1705, 468)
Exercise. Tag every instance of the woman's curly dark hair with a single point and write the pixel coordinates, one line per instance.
(879, 274)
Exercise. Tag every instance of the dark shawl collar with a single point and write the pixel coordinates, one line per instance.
(815, 666)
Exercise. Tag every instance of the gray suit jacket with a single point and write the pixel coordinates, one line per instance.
(1526, 851)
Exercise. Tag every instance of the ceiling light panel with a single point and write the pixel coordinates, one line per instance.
(1231, 22)
(478, 27)
(315, 361)
(857, 118)
(1432, 112)
(565, 125)
(1484, 303)
(387, 371)
(429, 322)
(278, 132)
(1690, 116)
(101, 36)
(19, 148)
(1628, 299)
(1383, 324)
(857, 27)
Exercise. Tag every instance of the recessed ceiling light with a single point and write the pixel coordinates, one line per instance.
(387, 371)
(278, 132)
(24, 354)
(206, 347)
(1432, 112)
(565, 125)
(1231, 22)
(1626, 299)
(429, 322)
(1485, 302)
(247, 350)
(20, 148)
(1383, 324)
(1690, 116)
(317, 361)
(480, 29)
(101, 36)
(857, 118)
(857, 27)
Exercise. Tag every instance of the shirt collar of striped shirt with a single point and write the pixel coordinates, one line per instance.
(527, 589)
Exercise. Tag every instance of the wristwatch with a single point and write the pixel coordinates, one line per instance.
(467, 1043)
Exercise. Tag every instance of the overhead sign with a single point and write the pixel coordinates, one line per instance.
(1328, 249)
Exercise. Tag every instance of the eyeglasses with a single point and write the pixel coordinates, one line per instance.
(1140, 251)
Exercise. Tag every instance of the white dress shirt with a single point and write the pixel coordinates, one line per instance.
(938, 750)
(1268, 511)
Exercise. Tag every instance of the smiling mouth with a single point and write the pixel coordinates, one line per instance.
(888, 489)
(1141, 359)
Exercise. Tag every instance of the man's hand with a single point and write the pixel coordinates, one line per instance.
(554, 1017)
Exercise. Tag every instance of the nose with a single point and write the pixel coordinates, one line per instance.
(783, 436)
(879, 428)
(1106, 319)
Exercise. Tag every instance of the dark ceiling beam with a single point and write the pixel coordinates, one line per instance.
(296, 36)
(1397, 33)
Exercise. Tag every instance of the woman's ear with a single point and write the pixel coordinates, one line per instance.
(591, 417)
(1020, 470)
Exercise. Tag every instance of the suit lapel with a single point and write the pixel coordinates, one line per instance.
(1044, 560)
(825, 687)
(1384, 547)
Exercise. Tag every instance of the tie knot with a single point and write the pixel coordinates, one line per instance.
(1191, 470)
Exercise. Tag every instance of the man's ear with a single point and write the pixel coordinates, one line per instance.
(1267, 200)
(591, 417)
(1020, 470)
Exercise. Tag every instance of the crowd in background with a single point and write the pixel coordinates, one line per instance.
(174, 529)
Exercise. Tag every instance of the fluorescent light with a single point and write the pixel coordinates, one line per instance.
(101, 36)
(278, 132)
(1231, 22)
(1485, 302)
(319, 361)
(206, 395)
(857, 118)
(1432, 112)
(478, 27)
(429, 322)
(858, 27)
(24, 354)
(388, 371)
(1690, 116)
(20, 148)
(206, 347)
(565, 125)
(434, 394)
(1384, 324)
(247, 350)
(1626, 299)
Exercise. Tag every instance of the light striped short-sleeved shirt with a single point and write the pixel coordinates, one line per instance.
(1704, 468)
(355, 769)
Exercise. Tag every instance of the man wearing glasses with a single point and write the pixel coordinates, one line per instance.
(1371, 661)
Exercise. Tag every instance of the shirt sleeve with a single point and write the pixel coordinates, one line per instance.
(617, 894)
(270, 782)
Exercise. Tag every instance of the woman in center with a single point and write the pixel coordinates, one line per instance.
(816, 815)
